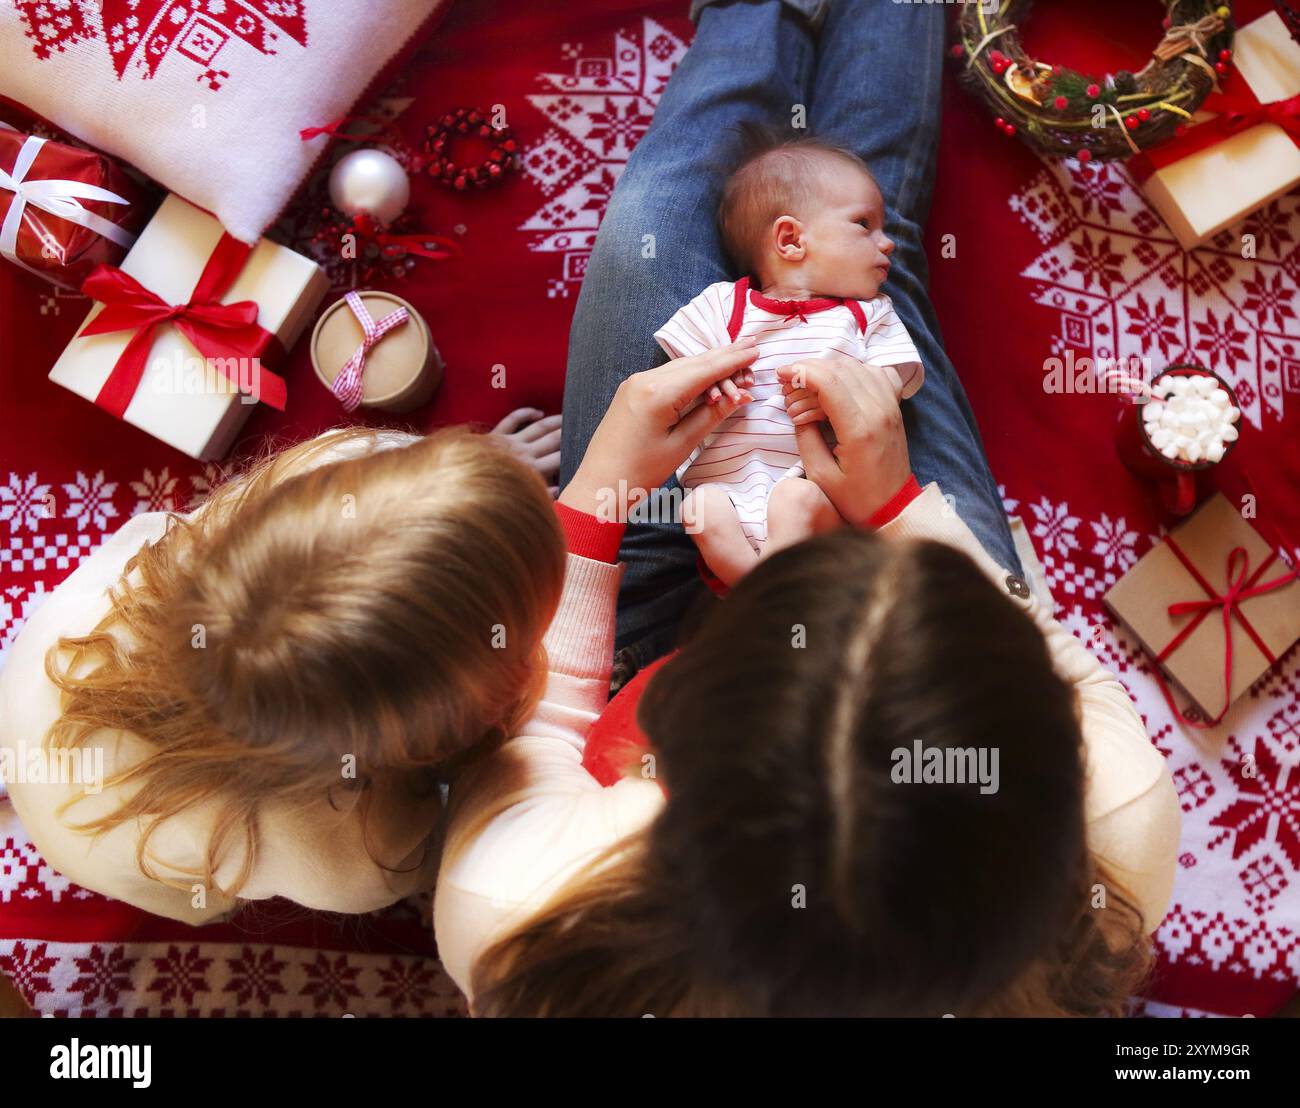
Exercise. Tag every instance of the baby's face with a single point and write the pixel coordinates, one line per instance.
(847, 248)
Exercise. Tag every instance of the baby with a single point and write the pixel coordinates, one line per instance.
(805, 220)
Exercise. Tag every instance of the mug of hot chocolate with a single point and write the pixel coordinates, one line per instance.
(1187, 424)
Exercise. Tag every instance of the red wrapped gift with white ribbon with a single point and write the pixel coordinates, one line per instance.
(64, 210)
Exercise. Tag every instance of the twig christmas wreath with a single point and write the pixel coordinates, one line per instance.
(1064, 113)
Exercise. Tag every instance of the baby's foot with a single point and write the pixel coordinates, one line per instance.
(715, 526)
(797, 510)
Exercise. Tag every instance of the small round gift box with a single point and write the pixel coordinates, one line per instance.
(402, 369)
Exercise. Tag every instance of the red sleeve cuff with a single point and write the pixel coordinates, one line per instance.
(895, 504)
(588, 536)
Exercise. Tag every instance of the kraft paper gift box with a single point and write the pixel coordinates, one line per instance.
(1201, 194)
(184, 397)
(1197, 660)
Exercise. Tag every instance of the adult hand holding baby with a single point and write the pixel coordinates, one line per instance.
(644, 435)
(870, 462)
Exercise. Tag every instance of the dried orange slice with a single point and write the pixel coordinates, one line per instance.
(1022, 83)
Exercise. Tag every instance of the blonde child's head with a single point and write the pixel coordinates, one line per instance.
(382, 613)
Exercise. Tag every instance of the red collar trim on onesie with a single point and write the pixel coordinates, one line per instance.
(801, 309)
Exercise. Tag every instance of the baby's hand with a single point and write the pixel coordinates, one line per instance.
(735, 388)
(802, 406)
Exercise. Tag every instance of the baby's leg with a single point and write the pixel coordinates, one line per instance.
(715, 526)
(797, 510)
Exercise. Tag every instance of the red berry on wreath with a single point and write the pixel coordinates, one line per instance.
(1166, 23)
(1066, 100)
(1220, 68)
(1085, 155)
(1000, 123)
(1225, 55)
(958, 51)
(1181, 129)
(1010, 129)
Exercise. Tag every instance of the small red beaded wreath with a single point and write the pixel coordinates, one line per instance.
(465, 122)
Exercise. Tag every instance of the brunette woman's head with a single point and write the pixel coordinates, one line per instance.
(807, 861)
(343, 618)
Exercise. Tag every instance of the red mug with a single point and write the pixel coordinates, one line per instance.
(1175, 478)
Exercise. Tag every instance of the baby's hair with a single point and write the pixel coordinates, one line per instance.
(774, 173)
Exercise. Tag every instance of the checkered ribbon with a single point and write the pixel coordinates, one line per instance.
(347, 385)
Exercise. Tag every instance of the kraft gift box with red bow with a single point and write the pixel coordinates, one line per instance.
(1243, 149)
(183, 341)
(63, 211)
(1214, 604)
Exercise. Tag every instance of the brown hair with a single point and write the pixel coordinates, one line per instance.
(788, 874)
(775, 172)
(388, 606)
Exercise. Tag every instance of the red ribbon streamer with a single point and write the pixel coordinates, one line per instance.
(218, 331)
(1239, 588)
(437, 247)
(1239, 109)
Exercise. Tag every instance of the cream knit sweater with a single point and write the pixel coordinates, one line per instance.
(531, 817)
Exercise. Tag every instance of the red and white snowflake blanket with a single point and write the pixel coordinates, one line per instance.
(1045, 262)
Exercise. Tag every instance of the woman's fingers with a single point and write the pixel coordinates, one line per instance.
(540, 428)
(813, 415)
(837, 390)
(548, 465)
(818, 461)
(695, 424)
(547, 443)
(516, 419)
(687, 378)
(729, 390)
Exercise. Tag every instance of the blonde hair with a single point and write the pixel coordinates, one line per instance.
(388, 606)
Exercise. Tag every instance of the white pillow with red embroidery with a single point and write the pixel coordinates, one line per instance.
(205, 96)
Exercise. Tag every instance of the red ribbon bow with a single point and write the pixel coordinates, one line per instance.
(218, 331)
(1240, 587)
(802, 309)
(1239, 109)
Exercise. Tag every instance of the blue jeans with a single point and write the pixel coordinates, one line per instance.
(868, 73)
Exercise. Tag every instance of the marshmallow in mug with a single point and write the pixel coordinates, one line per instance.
(1190, 419)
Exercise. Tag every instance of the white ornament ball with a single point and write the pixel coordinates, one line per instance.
(370, 182)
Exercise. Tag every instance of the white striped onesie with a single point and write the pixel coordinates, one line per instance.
(754, 448)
